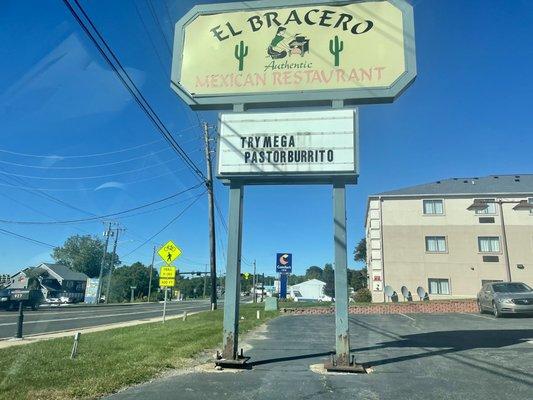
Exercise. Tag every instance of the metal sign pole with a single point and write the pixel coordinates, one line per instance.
(165, 306)
(342, 360)
(233, 273)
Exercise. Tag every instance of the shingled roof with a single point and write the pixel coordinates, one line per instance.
(65, 272)
(487, 185)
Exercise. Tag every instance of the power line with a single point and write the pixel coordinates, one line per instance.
(166, 226)
(131, 87)
(99, 217)
(40, 189)
(83, 155)
(85, 166)
(6, 232)
(61, 178)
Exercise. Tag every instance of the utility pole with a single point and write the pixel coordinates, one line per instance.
(151, 271)
(102, 263)
(112, 266)
(205, 281)
(211, 212)
(254, 294)
(263, 288)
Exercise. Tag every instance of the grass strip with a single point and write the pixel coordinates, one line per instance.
(110, 360)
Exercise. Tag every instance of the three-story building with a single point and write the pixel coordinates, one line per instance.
(451, 236)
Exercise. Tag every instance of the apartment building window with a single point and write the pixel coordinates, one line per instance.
(489, 244)
(491, 207)
(433, 207)
(436, 244)
(439, 286)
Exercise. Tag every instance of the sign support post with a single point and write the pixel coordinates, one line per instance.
(231, 301)
(341, 361)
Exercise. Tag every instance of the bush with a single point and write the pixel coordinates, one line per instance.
(363, 295)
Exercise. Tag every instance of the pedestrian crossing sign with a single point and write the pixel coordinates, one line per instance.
(169, 252)
(167, 282)
(168, 271)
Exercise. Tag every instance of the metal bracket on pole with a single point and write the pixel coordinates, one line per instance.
(342, 361)
(230, 357)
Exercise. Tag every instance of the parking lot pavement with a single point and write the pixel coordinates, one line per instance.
(422, 356)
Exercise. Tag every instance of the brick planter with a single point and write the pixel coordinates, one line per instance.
(429, 307)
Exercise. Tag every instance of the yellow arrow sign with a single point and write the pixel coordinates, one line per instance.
(168, 271)
(169, 252)
(167, 282)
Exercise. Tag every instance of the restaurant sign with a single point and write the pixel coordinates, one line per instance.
(285, 51)
(288, 147)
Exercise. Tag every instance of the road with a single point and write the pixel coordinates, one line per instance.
(56, 319)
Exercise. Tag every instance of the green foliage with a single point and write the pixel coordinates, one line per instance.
(241, 51)
(363, 295)
(113, 359)
(313, 272)
(359, 254)
(137, 275)
(336, 46)
(357, 279)
(193, 287)
(328, 276)
(83, 254)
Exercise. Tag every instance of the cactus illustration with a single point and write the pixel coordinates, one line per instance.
(241, 51)
(335, 48)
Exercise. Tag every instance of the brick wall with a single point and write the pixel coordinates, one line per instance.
(429, 307)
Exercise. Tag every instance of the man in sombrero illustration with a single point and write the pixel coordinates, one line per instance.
(277, 48)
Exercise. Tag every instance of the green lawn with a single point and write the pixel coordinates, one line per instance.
(110, 360)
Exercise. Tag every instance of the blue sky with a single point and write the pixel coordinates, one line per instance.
(74, 143)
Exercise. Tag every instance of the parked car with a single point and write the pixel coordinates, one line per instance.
(505, 298)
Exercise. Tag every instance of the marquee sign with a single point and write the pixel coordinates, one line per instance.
(312, 145)
(283, 51)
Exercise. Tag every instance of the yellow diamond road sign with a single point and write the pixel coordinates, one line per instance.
(167, 282)
(169, 252)
(168, 271)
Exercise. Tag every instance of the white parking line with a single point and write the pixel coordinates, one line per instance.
(407, 316)
(94, 316)
(479, 316)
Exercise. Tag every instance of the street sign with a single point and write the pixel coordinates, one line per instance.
(167, 282)
(169, 252)
(300, 52)
(289, 147)
(168, 271)
(284, 263)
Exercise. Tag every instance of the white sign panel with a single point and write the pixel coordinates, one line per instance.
(313, 144)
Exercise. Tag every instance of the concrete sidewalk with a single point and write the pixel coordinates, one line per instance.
(452, 356)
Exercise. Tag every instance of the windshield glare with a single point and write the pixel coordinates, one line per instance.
(511, 288)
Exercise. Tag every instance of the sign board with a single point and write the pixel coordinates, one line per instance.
(91, 290)
(169, 252)
(20, 295)
(284, 263)
(294, 51)
(168, 271)
(302, 146)
(167, 282)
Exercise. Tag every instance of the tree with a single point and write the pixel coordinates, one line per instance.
(328, 276)
(357, 279)
(313, 272)
(83, 254)
(359, 254)
(136, 274)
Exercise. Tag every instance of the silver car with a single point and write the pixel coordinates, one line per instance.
(505, 298)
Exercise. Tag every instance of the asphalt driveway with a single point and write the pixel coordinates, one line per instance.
(424, 356)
